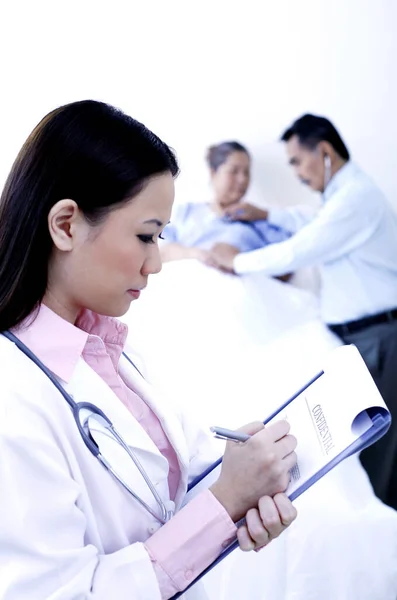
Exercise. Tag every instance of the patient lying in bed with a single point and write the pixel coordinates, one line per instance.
(196, 228)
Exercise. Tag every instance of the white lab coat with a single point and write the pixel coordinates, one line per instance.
(67, 529)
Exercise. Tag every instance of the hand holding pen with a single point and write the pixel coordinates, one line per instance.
(258, 467)
(272, 513)
(254, 474)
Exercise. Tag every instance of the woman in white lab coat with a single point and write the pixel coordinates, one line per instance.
(80, 216)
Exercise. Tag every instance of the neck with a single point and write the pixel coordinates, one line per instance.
(337, 165)
(219, 207)
(60, 307)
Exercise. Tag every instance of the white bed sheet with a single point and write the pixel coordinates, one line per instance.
(230, 350)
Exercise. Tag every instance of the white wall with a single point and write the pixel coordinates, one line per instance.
(198, 73)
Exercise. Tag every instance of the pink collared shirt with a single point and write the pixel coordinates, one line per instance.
(187, 544)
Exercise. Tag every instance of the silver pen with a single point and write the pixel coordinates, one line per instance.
(229, 435)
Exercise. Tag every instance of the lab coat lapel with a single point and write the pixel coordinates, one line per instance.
(87, 386)
(166, 414)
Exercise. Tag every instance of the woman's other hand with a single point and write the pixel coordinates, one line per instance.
(265, 523)
(258, 467)
(246, 212)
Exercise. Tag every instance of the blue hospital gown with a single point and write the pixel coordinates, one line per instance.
(196, 225)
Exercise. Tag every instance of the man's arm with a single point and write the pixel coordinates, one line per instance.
(343, 224)
(291, 219)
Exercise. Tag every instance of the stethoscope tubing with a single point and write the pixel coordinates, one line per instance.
(77, 407)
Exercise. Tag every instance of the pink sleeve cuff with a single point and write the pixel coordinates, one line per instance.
(187, 544)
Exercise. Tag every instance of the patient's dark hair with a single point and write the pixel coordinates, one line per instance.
(311, 129)
(86, 151)
(218, 154)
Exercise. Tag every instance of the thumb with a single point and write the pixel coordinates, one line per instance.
(252, 428)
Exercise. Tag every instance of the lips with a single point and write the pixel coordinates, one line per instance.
(134, 293)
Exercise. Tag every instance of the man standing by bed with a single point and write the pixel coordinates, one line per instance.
(353, 239)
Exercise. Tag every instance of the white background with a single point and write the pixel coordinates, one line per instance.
(201, 72)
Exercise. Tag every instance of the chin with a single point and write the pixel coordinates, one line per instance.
(121, 311)
(116, 311)
(235, 199)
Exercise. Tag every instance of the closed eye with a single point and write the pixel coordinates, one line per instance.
(148, 239)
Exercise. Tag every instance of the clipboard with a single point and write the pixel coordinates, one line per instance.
(379, 416)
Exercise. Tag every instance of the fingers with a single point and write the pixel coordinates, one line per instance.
(285, 446)
(278, 430)
(252, 428)
(245, 541)
(239, 212)
(235, 212)
(253, 534)
(266, 523)
(274, 432)
(210, 261)
(286, 509)
(270, 516)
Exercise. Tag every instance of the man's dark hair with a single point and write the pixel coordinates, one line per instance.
(311, 130)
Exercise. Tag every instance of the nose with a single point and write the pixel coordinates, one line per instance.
(297, 170)
(153, 263)
(242, 178)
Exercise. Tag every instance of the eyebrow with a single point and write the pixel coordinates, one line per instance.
(155, 222)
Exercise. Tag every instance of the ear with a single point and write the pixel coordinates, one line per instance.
(64, 220)
(326, 149)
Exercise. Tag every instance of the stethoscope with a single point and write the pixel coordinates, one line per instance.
(83, 412)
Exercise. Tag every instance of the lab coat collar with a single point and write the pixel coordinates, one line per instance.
(43, 329)
(42, 332)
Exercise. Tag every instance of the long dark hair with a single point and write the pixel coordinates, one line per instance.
(86, 151)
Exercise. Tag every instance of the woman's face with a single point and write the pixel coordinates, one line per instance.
(231, 179)
(104, 267)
